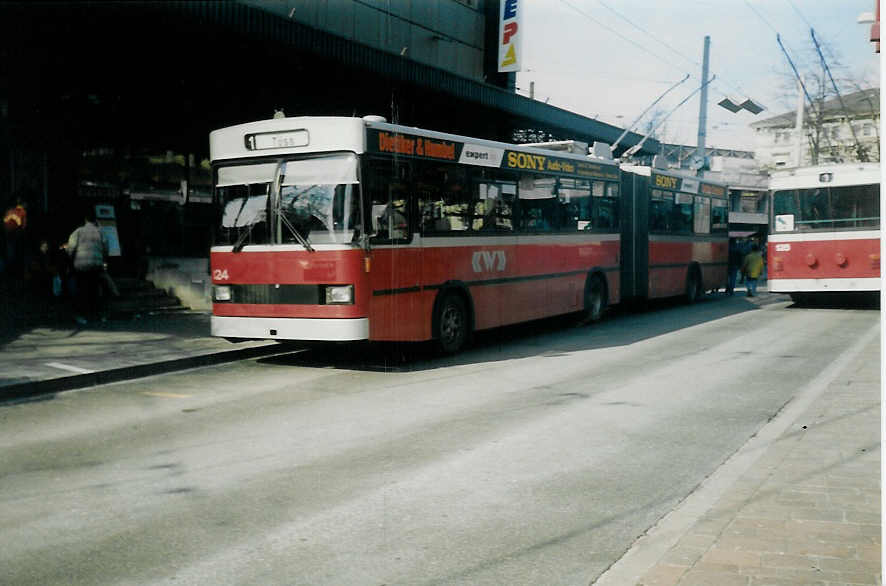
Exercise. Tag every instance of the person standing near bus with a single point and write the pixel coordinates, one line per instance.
(15, 221)
(736, 259)
(751, 268)
(88, 248)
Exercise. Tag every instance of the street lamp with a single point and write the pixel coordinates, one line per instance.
(736, 104)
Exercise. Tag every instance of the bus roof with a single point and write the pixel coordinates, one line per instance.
(834, 175)
(312, 134)
(287, 136)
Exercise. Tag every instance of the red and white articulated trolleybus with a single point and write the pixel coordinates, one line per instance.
(825, 231)
(679, 241)
(344, 229)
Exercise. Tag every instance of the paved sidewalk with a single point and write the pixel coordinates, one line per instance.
(807, 510)
(61, 355)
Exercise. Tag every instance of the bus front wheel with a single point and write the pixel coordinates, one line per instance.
(452, 324)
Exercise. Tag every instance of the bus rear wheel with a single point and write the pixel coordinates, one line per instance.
(694, 289)
(595, 299)
(452, 324)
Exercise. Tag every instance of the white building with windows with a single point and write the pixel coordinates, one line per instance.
(837, 133)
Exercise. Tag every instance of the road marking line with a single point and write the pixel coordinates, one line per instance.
(69, 368)
(651, 547)
(167, 395)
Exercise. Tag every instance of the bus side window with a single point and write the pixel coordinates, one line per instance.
(681, 214)
(538, 204)
(574, 196)
(493, 209)
(430, 183)
(458, 207)
(719, 215)
(606, 206)
(614, 205)
(391, 219)
(663, 213)
(702, 216)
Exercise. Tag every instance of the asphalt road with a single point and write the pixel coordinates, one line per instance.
(537, 457)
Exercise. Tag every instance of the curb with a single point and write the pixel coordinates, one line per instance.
(32, 389)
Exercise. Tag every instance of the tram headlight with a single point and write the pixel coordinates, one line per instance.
(339, 294)
(221, 292)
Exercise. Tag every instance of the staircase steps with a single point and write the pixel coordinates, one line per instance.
(24, 308)
(138, 297)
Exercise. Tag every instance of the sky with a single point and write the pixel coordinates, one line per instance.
(611, 59)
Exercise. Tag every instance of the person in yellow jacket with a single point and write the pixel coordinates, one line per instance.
(752, 268)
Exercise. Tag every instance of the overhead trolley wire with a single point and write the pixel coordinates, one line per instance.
(663, 43)
(797, 10)
(761, 17)
(648, 34)
(615, 32)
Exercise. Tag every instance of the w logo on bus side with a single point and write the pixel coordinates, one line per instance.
(489, 260)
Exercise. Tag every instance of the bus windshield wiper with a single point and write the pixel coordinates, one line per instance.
(301, 239)
(241, 241)
(278, 204)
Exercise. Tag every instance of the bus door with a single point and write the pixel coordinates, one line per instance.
(395, 258)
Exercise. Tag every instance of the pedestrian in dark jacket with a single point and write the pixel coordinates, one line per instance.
(736, 258)
(88, 249)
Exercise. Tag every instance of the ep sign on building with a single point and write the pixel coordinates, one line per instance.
(509, 35)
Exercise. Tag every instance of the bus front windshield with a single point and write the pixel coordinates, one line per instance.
(826, 208)
(313, 201)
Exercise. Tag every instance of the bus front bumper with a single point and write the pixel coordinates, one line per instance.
(845, 284)
(290, 328)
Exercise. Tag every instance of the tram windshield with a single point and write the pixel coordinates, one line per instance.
(827, 208)
(302, 201)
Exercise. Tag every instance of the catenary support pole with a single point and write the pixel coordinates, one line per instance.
(703, 107)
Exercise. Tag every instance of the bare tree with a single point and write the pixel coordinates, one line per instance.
(823, 114)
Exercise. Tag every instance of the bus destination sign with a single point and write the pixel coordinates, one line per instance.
(259, 141)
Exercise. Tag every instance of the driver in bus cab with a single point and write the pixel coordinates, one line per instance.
(392, 223)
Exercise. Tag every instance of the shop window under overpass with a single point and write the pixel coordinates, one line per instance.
(101, 106)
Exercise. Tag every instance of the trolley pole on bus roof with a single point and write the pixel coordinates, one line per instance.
(699, 160)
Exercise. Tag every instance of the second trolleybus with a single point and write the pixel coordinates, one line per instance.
(825, 231)
(343, 229)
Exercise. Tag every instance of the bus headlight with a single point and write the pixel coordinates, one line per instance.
(221, 292)
(339, 294)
